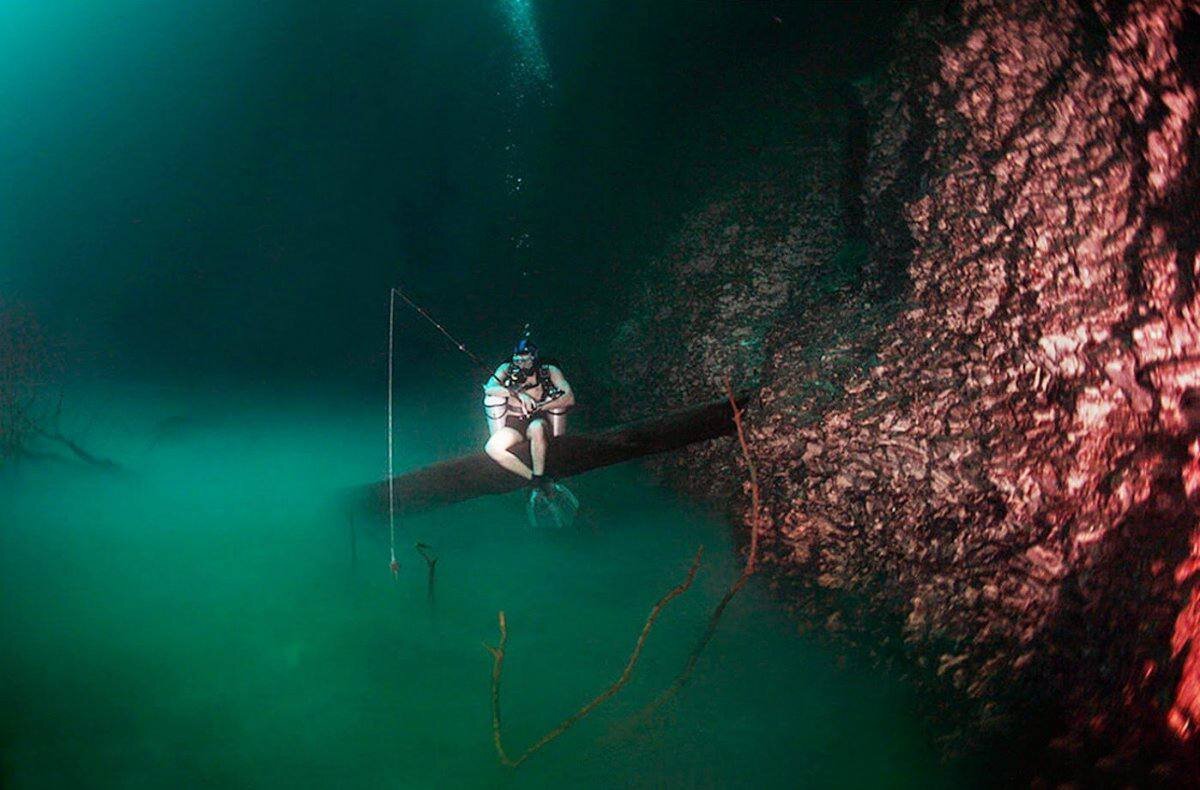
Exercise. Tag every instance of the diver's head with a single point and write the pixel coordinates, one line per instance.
(525, 354)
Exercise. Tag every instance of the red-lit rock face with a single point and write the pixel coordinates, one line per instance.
(1016, 465)
(1016, 475)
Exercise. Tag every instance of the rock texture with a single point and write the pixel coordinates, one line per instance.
(1007, 458)
(736, 268)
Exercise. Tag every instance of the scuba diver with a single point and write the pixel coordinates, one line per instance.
(526, 399)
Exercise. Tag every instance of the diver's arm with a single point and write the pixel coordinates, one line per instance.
(493, 386)
(566, 397)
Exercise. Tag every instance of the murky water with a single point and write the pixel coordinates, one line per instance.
(201, 620)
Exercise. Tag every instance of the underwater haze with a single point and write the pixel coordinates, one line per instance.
(204, 207)
(207, 619)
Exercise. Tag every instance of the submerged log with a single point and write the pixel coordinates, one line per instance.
(470, 476)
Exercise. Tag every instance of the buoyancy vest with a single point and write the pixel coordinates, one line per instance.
(517, 380)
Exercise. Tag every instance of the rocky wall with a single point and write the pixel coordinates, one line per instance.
(993, 438)
(733, 271)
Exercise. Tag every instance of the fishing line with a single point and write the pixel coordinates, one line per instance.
(395, 566)
(391, 472)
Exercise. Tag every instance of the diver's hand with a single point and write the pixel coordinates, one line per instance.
(528, 404)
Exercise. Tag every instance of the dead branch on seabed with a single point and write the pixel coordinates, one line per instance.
(498, 663)
(431, 563)
(55, 435)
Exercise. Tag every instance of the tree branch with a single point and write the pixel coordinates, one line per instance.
(751, 566)
(498, 662)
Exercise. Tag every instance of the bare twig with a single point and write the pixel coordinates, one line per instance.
(751, 566)
(498, 663)
(80, 453)
(431, 563)
(755, 512)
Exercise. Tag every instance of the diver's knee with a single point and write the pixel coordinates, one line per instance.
(499, 442)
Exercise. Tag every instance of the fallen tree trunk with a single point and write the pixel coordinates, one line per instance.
(476, 475)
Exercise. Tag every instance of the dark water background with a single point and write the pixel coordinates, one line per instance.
(230, 187)
(204, 205)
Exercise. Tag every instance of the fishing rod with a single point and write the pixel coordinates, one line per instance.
(391, 471)
(547, 398)
(457, 344)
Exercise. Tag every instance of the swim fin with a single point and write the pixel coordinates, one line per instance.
(551, 506)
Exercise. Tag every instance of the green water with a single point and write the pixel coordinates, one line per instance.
(200, 621)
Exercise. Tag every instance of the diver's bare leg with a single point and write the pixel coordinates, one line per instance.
(537, 445)
(497, 449)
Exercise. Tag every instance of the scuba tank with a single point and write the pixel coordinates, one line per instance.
(557, 417)
(494, 409)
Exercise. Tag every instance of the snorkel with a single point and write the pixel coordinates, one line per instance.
(525, 352)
